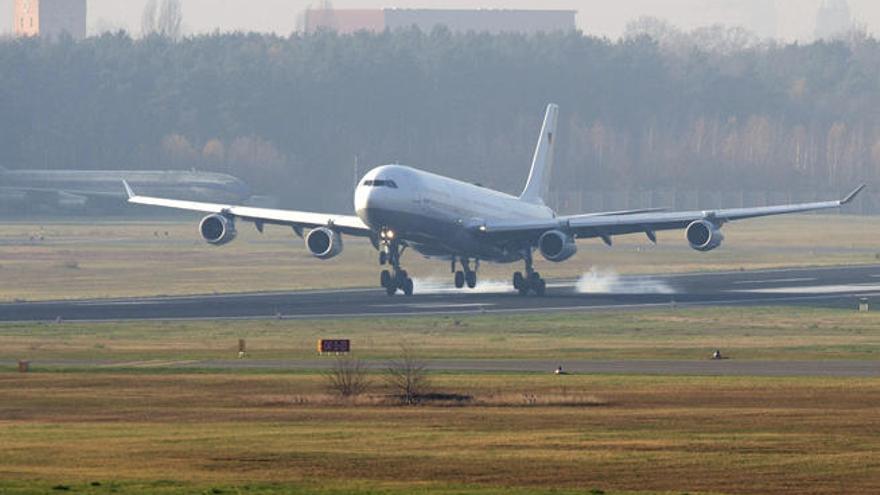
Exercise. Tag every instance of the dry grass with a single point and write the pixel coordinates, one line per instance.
(796, 436)
(112, 259)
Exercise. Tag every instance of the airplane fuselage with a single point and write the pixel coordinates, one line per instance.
(437, 215)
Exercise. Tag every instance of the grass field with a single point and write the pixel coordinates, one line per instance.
(278, 434)
(135, 429)
(113, 259)
(743, 333)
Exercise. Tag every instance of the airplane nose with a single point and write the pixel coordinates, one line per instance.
(365, 204)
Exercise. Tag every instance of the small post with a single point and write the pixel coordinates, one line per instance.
(863, 305)
(242, 349)
(23, 366)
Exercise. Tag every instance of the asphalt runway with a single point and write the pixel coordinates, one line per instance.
(707, 367)
(827, 287)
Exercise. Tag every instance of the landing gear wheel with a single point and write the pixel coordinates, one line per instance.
(396, 278)
(534, 278)
(402, 277)
(471, 279)
(385, 279)
(540, 287)
(459, 279)
(519, 282)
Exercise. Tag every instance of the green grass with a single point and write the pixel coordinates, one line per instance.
(793, 333)
(114, 259)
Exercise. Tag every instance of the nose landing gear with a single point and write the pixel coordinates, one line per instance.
(466, 275)
(396, 278)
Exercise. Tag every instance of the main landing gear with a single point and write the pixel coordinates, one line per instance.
(531, 281)
(465, 275)
(395, 279)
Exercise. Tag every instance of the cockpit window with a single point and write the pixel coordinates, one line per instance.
(380, 183)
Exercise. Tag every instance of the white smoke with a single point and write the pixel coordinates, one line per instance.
(436, 285)
(608, 282)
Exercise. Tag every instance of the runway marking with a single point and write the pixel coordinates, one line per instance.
(434, 305)
(776, 281)
(819, 289)
(149, 364)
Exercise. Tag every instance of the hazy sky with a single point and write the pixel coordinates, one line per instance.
(787, 19)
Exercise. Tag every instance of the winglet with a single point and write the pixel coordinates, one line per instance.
(847, 200)
(128, 189)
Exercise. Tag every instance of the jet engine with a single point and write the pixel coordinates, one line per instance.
(217, 229)
(704, 235)
(324, 243)
(557, 246)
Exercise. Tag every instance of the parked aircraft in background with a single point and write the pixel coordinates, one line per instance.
(399, 207)
(98, 190)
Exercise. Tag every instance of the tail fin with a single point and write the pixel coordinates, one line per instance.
(542, 162)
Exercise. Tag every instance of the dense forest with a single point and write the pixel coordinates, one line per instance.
(293, 116)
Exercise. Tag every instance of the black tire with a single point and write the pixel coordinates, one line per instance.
(385, 279)
(391, 290)
(540, 288)
(534, 278)
(518, 281)
(402, 277)
(471, 279)
(408, 287)
(523, 290)
(459, 279)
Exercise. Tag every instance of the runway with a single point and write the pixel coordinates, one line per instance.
(707, 367)
(829, 287)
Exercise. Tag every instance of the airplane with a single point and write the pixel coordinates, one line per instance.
(98, 190)
(399, 207)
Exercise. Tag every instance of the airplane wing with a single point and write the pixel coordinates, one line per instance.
(605, 226)
(347, 224)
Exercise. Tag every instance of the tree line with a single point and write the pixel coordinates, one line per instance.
(301, 116)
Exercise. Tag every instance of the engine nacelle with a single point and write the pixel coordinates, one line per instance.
(217, 229)
(557, 246)
(704, 235)
(324, 243)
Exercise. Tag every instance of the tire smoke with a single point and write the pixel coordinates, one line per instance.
(598, 281)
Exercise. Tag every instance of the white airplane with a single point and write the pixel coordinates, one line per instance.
(399, 207)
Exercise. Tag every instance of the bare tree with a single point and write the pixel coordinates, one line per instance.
(170, 19)
(348, 377)
(408, 376)
(148, 18)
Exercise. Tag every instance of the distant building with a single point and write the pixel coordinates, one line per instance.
(833, 19)
(482, 20)
(50, 18)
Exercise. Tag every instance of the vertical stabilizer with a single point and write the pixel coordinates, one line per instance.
(539, 177)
